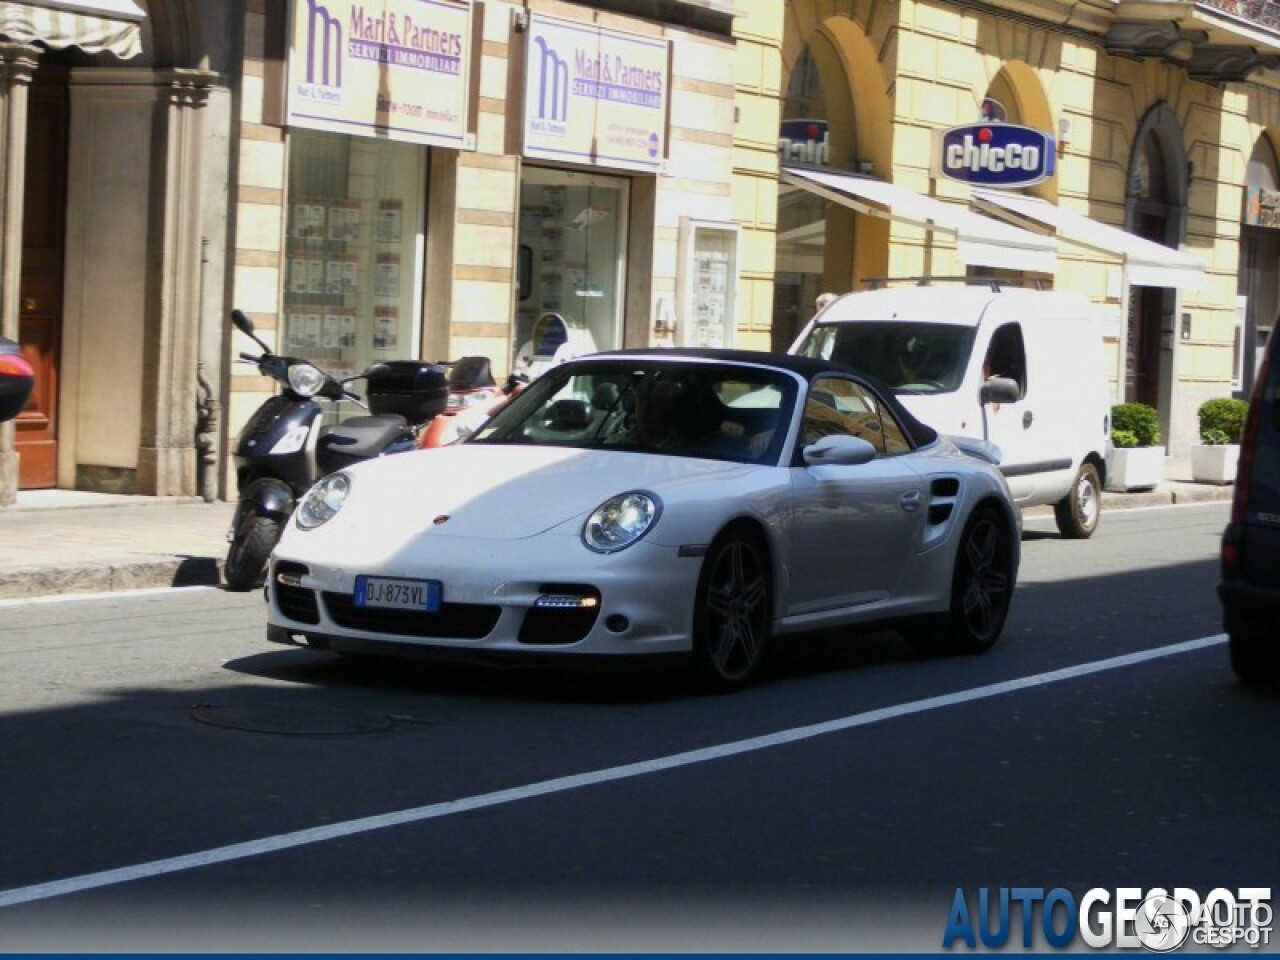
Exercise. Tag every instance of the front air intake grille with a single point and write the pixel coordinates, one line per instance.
(462, 621)
(564, 613)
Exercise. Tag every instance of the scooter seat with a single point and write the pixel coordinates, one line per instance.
(361, 438)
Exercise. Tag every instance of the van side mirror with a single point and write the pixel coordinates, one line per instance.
(999, 390)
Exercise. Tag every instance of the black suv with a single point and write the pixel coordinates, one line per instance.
(1250, 587)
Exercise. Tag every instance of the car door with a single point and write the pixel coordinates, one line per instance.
(854, 527)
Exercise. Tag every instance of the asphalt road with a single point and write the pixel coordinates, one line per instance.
(174, 783)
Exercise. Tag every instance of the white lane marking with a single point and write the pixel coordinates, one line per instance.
(106, 595)
(287, 841)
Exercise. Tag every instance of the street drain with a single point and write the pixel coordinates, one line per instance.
(293, 721)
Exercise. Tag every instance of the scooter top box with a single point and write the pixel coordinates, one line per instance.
(415, 389)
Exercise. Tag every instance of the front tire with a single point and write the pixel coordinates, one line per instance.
(733, 614)
(1080, 510)
(251, 545)
(981, 584)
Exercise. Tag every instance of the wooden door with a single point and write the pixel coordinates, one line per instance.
(40, 305)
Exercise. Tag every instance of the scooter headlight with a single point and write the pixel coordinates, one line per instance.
(323, 501)
(620, 521)
(305, 380)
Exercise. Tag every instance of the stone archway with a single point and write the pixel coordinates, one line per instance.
(1155, 209)
(830, 67)
(1019, 89)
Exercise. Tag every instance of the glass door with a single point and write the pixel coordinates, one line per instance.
(572, 255)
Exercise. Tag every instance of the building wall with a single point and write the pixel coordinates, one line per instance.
(474, 198)
(936, 62)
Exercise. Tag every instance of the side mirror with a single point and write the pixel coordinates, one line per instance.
(1000, 390)
(839, 450)
(243, 323)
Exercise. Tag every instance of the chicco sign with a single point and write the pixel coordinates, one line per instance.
(994, 155)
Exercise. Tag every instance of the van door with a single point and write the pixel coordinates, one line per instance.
(1021, 429)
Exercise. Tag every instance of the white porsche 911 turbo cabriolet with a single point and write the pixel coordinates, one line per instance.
(697, 502)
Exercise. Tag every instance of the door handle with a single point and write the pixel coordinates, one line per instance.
(1026, 420)
(910, 501)
(29, 304)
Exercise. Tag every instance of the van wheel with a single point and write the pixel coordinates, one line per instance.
(1079, 511)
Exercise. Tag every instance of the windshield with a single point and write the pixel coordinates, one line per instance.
(906, 357)
(712, 411)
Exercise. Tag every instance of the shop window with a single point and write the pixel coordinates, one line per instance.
(354, 241)
(571, 263)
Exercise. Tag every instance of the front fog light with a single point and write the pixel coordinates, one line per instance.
(323, 501)
(620, 521)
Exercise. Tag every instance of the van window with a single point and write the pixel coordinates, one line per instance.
(839, 406)
(1006, 357)
(905, 357)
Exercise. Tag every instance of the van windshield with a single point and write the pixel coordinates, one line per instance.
(905, 357)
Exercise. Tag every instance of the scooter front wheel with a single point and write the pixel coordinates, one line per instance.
(251, 544)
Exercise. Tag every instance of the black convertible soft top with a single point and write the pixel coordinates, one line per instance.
(921, 434)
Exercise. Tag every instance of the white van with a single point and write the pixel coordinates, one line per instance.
(1022, 368)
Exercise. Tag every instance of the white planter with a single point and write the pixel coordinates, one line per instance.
(1214, 463)
(1135, 468)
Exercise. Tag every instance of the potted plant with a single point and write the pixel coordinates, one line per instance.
(1136, 461)
(1214, 458)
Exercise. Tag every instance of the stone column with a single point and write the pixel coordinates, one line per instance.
(17, 65)
(167, 458)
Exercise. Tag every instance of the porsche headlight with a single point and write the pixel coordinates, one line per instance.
(323, 501)
(620, 521)
(305, 380)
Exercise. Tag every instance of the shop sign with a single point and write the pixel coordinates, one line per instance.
(1261, 207)
(994, 155)
(595, 96)
(804, 141)
(395, 69)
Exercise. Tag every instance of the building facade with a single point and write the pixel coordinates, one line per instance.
(1159, 208)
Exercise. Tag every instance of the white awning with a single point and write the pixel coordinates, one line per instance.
(92, 25)
(1148, 264)
(980, 241)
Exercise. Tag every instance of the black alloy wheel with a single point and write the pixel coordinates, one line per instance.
(982, 583)
(734, 611)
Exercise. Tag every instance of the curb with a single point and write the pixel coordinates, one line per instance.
(110, 576)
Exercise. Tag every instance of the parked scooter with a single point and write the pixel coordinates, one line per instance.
(284, 448)
(474, 396)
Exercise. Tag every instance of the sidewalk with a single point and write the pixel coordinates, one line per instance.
(65, 541)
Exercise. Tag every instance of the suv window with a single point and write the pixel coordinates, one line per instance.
(1264, 464)
(905, 357)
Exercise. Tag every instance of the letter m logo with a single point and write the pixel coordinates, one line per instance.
(324, 38)
(553, 84)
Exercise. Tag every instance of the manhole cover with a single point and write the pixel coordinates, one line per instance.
(297, 721)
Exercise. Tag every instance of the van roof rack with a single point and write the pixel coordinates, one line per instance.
(995, 283)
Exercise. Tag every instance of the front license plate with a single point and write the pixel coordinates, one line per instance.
(398, 594)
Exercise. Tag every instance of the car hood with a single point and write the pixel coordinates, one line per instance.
(503, 492)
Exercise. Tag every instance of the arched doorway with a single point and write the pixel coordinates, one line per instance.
(1259, 269)
(1155, 202)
